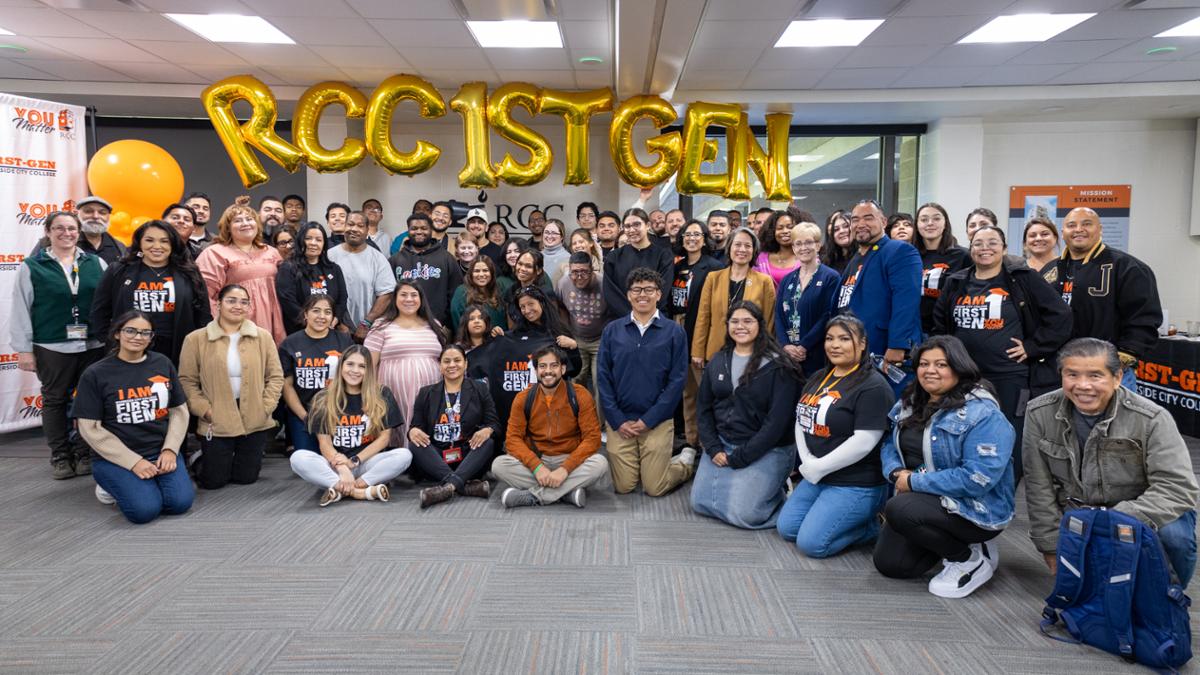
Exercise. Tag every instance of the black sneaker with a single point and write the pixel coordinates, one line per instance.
(61, 469)
(83, 466)
(513, 497)
(576, 497)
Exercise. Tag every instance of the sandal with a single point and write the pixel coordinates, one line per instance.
(330, 496)
(377, 492)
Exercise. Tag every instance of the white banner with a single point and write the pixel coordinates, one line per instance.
(43, 168)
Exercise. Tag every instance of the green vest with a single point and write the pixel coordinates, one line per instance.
(53, 307)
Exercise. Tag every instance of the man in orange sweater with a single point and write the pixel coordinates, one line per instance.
(552, 452)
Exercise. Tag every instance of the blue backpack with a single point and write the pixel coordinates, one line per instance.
(1114, 590)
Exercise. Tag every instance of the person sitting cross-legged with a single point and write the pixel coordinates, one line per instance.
(552, 439)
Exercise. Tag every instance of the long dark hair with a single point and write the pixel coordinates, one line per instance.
(390, 314)
(486, 295)
(946, 241)
(765, 345)
(831, 254)
(769, 243)
(463, 335)
(180, 260)
(850, 323)
(114, 331)
(969, 378)
(506, 270)
(551, 322)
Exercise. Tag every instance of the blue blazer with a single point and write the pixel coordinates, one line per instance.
(803, 323)
(887, 296)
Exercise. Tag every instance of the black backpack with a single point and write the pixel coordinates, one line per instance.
(572, 400)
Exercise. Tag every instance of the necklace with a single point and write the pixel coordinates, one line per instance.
(822, 389)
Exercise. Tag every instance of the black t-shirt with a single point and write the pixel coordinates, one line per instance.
(849, 281)
(1083, 425)
(1068, 281)
(986, 320)
(679, 287)
(131, 399)
(311, 362)
(912, 441)
(935, 269)
(154, 294)
(829, 413)
(349, 433)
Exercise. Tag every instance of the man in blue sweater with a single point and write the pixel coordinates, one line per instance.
(640, 375)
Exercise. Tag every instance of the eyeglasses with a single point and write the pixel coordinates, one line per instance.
(693, 235)
(64, 228)
(285, 243)
(644, 290)
(580, 274)
(135, 333)
(804, 244)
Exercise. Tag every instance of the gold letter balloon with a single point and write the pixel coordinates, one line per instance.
(678, 154)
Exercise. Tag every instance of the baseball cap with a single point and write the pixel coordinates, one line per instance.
(93, 199)
(477, 213)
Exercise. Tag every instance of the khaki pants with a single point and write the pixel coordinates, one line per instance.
(588, 349)
(510, 470)
(691, 386)
(647, 456)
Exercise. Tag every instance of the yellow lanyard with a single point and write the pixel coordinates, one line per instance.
(825, 390)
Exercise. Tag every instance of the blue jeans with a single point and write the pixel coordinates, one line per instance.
(301, 439)
(1129, 379)
(825, 519)
(748, 497)
(141, 501)
(1178, 538)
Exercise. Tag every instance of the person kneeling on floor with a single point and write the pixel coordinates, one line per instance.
(950, 457)
(1095, 443)
(352, 419)
(552, 439)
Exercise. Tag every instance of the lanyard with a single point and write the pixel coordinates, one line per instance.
(825, 390)
(72, 274)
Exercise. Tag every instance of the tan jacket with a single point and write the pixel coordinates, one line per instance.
(205, 379)
(710, 332)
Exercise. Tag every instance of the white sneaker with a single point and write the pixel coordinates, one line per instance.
(103, 497)
(960, 579)
(686, 456)
(604, 437)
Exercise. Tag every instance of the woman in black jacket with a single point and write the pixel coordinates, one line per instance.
(693, 262)
(451, 432)
(745, 417)
(1011, 321)
(309, 271)
(156, 276)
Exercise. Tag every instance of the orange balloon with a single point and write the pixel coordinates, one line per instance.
(120, 226)
(135, 177)
(138, 220)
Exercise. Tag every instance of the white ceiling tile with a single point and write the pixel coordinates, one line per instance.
(1126, 24)
(445, 58)
(783, 79)
(953, 7)
(363, 57)
(882, 57)
(1171, 72)
(189, 6)
(589, 35)
(779, 58)
(84, 71)
(1166, 4)
(275, 8)
(405, 9)
(735, 10)
(860, 78)
(276, 55)
(731, 58)
(18, 70)
(199, 53)
(1061, 6)
(1020, 75)
(718, 34)
(134, 25)
(367, 79)
(34, 49)
(583, 10)
(932, 30)
(453, 79)
(212, 74)
(44, 22)
(919, 78)
(167, 73)
(326, 31)
(1101, 73)
(712, 79)
(528, 59)
(306, 76)
(575, 54)
(106, 49)
(1136, 51)
(593, 79)
(425, 33)
(1081, 51)
(852, 9)
(555, 79)
(20, 3)
(976, 55)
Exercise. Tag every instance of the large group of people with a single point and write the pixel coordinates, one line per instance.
(868, 381)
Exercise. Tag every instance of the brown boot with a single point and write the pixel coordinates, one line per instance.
(477, 488)
(436, 495)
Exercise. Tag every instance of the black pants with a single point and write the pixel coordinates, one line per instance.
(233, 459)
(918, 532)
(59, 374)
(1012, 392)
(429, 460)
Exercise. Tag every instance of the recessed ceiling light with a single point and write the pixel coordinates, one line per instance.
(6, 32)
(829, 181)
(591, 59)
(1186, 29)
(828, 32)
(232, 28)
(516, 34)
(1161, 50)
(1024, 28)
(1053, 108)
(805, 158)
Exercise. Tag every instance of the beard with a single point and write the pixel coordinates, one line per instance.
(94, 227)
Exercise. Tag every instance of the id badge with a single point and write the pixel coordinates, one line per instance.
(452, 454)
(806, 419)
(77, 331)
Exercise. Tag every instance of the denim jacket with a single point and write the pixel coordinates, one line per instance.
(968, 455)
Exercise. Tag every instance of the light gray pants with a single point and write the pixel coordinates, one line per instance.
(380, 468)
(510, 470)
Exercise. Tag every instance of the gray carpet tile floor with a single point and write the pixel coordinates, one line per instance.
(258, 579)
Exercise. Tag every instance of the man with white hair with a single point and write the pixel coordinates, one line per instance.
(93, 213)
